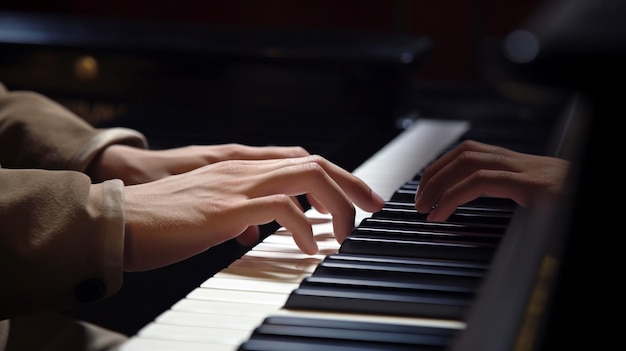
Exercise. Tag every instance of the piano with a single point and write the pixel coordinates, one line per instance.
(486, 280)
(494, 277)
(396, 283)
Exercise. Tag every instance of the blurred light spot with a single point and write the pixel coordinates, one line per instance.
(406, 57)
(521, 46)
(86, 67)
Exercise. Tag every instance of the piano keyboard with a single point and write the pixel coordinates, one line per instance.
(387, 287)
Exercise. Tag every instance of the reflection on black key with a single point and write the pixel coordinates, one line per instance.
(272, 343)
(440, 277)
(354, 297)
(469, 266)
(426, 235)
(407, 195)
(440, 227)
(359, 325)
(457, 217)
(303, 333)
(481, 252)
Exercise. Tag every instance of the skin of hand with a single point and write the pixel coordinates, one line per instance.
(136, 166)
(473, 169)
(178, 216)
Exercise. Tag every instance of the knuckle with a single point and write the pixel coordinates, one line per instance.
(279, 201)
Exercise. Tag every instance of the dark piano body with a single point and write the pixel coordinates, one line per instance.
(345, 97)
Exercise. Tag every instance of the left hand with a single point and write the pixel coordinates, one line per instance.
(473, 169)
(137, 166)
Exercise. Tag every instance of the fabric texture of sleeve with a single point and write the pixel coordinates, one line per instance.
(61, 240)
(61, 237)
(36, 132)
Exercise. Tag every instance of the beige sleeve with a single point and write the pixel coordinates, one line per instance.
(61, 240)
(61, 237)
(36, 132)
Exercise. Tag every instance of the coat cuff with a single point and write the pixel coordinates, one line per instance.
(113, 257)
(106, 137)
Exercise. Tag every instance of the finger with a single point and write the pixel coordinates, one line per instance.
(311, 178)
(316, 204)
(280, 207)
(355, 188)
(450, 156)
(187, 158)
(249, 237)
(464, 165)
(244, 152)
(496, 183)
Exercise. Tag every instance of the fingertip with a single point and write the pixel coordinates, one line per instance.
(437, 215)
(378, 199)
(306, 243)
(249, 237)
(419, 207)
(311, 249)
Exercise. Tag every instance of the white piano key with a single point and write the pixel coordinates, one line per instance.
(230, 321)
(144, 344)
(407, 154)
(404, 156)
(276, 275)
(294, 251)
(283, 256)
(262, 298)
(326, 244)
(307, 265)
(275, 266)
(222, 307)
(452, 324)
(262, 286)
(213, 335)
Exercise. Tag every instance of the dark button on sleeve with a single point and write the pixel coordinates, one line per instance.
(90, 290)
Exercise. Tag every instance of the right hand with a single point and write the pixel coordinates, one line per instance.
(179, 216)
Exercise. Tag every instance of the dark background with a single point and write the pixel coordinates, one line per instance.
(459, 28)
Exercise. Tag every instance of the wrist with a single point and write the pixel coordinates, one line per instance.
(110, 163)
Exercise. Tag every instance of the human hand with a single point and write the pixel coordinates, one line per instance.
(176, 217)
(473, 169)
(136, 166)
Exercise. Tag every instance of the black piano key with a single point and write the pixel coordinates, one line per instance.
(481, 252)
(394, 284)
(396, 274)
(273, 343)
(477, 268)
(490, 213)
(455, 217)
(406, 193)
(360, 325)
(441, 227)
(479, 204)
(290, 330)
(317, 295)
(415, 266)
(426, 235)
